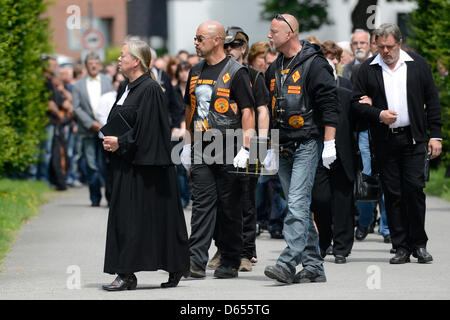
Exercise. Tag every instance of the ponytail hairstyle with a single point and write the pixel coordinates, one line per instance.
(141, 50)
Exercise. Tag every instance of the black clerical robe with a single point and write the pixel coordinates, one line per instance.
(146, 225)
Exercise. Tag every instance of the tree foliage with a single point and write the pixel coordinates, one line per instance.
(311, 14)
(431, 38)
(23, 98)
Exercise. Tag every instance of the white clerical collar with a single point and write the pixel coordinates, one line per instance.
(404, 56)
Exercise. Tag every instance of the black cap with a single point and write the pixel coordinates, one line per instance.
(235, 33)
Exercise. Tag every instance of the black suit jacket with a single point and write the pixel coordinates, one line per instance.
(422, 96)
(345, 143)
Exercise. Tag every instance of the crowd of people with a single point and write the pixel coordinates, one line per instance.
(339, 107)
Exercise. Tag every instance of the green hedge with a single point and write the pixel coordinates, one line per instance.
(431, 24)
(23, 97)
(19, 201)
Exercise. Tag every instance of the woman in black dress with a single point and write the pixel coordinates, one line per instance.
(146, 224)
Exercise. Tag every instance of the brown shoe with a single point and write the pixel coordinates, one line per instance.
(214, 263)
(246, 265)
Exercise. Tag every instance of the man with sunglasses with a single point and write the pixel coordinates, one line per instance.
(218, 98)
(303, 107)
(236, 47)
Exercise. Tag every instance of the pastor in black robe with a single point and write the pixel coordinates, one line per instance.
(146, 224)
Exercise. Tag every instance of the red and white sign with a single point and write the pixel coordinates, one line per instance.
(92, 40)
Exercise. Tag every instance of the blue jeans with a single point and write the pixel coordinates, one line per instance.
(92, 150)
(41, 170)
(366, 209)
(183, 180)
(73, 156)
(274, 201)
(184, 185)
(297, 178)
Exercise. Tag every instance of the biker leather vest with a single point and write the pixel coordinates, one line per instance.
(223, 111)
(292, 112)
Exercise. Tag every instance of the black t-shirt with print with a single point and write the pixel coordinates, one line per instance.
(260, 91)
(240, 90)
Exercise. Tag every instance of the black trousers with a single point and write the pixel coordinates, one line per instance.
(216, 194)
(248, 187)
(401, 165)
(332, 204)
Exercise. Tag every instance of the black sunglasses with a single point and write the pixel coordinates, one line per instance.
(280, 17)
(233, 45)
(201, 39)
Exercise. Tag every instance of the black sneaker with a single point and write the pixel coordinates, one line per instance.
(196, 272)
(306, 276)
(329, 251)
(226, 272)
(278, 273)
(361, 233)
(276, 234)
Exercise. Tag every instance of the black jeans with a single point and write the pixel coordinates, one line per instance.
(332, 204)
(216, 194)
(401, 164)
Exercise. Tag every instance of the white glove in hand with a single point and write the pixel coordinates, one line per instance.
(186, 156)
(241, 158)
(270, 162)
(329, 153)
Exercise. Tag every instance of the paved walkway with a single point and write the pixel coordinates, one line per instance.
(67, 239)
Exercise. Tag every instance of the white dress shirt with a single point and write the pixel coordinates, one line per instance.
(105, 103)
(395, 88)
(94, 89)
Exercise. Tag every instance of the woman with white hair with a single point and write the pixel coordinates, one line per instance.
(347, 53)
(146, 225)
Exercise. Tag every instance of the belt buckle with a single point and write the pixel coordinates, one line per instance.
(395, 130)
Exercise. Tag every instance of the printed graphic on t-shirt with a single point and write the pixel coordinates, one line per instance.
(203, 93)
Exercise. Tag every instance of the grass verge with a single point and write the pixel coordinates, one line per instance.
(438, 185)
(19, 201)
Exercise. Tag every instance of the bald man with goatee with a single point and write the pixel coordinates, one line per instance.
(304, 110)
(218, 98)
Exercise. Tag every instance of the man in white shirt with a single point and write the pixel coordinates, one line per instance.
(86, 95)
(404, 105)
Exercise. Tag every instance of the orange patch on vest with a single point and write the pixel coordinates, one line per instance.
(226, 77)
(296, 121)
(296, 76)
(294, 89)
(223, 92)
(274, 100)
(234, 107)
(272, 84)
(221, 105)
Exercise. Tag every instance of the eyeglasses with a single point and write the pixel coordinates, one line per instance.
(390, 48)
(233, 45)
(280, 17)
(362, 43)
(201, 39)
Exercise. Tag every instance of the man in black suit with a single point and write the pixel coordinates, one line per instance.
(400, 84)
(332, 194)
(361, 50)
